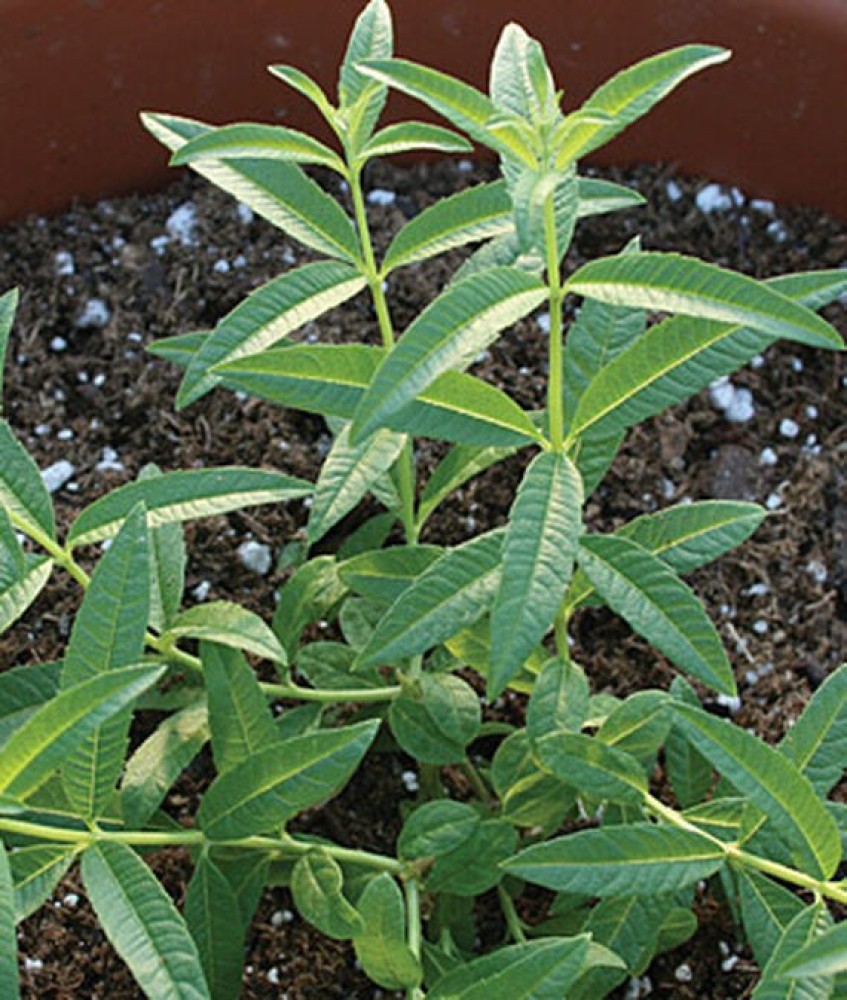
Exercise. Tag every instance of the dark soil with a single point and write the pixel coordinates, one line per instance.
(779, 601)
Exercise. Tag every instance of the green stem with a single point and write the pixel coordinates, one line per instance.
(555, 397)
(513, 920)
(413, 928)
(476, 782)
(738, 856)
(406, 462)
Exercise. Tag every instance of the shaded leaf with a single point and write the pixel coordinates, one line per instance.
(22, 490)
(435, 717)
(210, 904)
(9, 980)
(36, 871)
(317, 884)
(228, 624)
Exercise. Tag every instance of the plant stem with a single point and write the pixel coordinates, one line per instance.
(413, 928)
(513, 920)
(406, 462)
(555, 399)
(476, 782)
(283, 847)
(738, 856)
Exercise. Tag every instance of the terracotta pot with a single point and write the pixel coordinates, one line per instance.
(75, 73)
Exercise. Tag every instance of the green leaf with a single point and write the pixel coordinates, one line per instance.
(689, 773)
(476, 214)
(9, 980)
(767, 909)
(210, 904)
(639, 725)
(22, 491)
(24, 689)
(249, 141)
(528, 795)
(372, 37)
(8, 308)
(36, 872)
(159, 760)
(435, 717)
(636, 860)
(544, 524)
(534, 970)
(460, 464)
(772, 783)
(436, 828)
(240, 721)
(228, 624)
(348, 472)
(465, 106)
(313, 590)
(447, 597)
(305, 85)
(108, 633)
(267, 315)
(597, 197)
(682, 355)
(597, 770)
(381, 947)
(383, 574)
(825, 956)
(167, 566)
(317, 885)
(447, 335)
(475, 865)
(630, 94)
(279, 192)
(408, 137)
(184, 496)
(559, 699)
(332, 379)
(817, 743)
(274, 784)
(142, 923)
(809, 923)
(694, 288)
(520, 79)
(56, 729)
(12, 560)
(15, 599)
(330, 665)
(649, 596)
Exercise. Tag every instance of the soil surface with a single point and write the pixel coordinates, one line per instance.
(100, 283)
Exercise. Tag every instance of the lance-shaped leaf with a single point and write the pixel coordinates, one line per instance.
(311, 593)
(479, 213)
(12, 560)
(630, 94)
(279, 192)
(239, 718)
(348, 472)
(108, 633)
(684, 537)
(528, 795)
(9, 980)
(767, 909)
(652, 599)
(158, 762)
(474, 865)
(448, 335)
(597, 197)
(56, 729)
(22, 491)
(826, 955)
(332, 379)
(305, 85)
(381, 946)
(142, 923)
(635, 860)
(817, 742)
(691, 287)
(559, 699)
(447, 597)
(249, 141)
(184, 496)
(810, 923)
(383, 574)
(689, 773)
(210, 908)
(465, 106)
(533, 970)
(8, 307)
(317, 887)
(273, 785)
(436, 828)
(544, 525)
(36, 871)
(520, 79)
(266, 316)
(772, 783)
(407, 137)
(639, 725)
(18, 596)
(230, 625)
(595, 769)
(458, 466)
(24, 689)
(682, 355)
(167, 566)
(372, 37)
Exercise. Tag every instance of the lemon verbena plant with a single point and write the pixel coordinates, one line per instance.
(570, 801)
